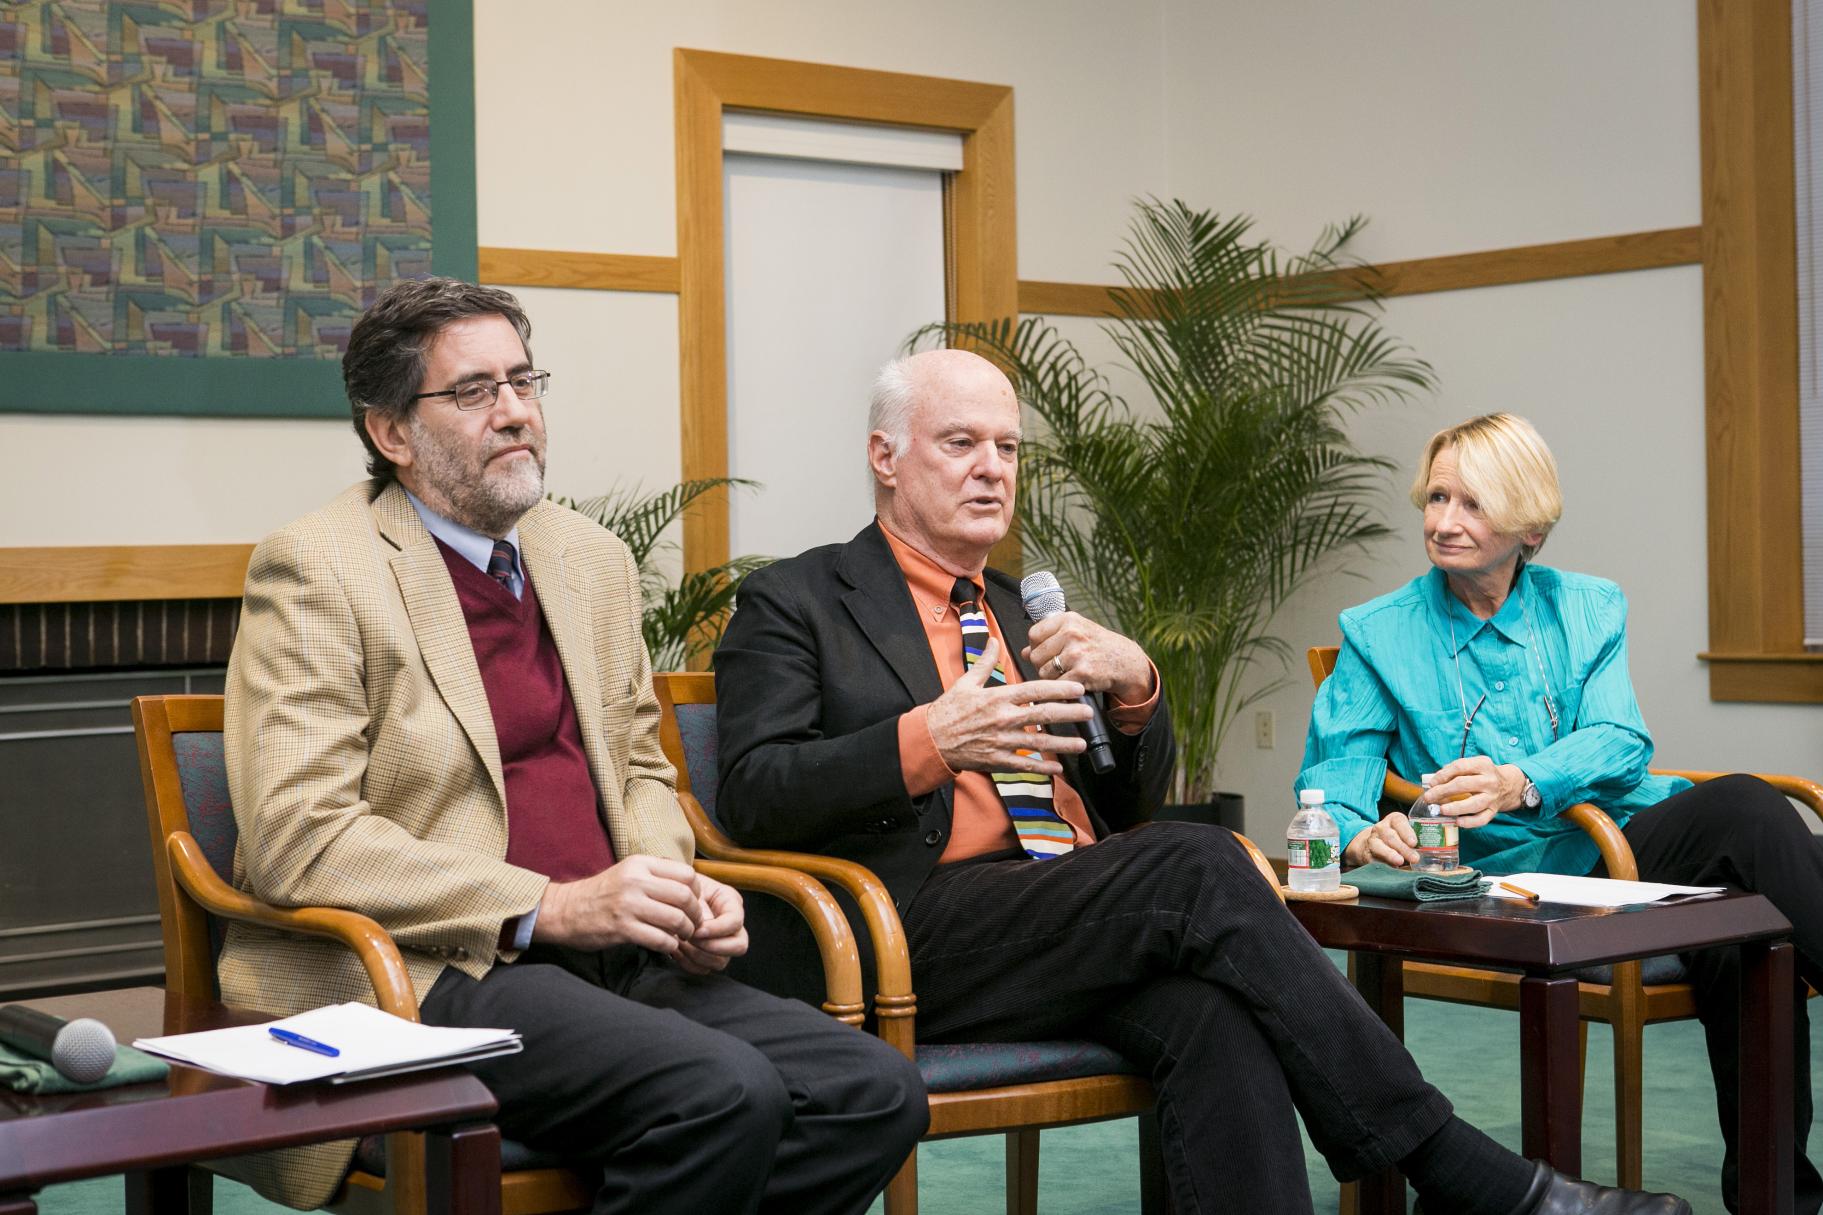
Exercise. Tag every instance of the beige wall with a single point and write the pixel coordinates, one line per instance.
(575, 96)
(1455, 126)
(1463, 127)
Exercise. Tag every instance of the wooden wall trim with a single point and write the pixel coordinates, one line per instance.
(1457, 272)
(981, 233)
(589, 271)
(1750, 328)
(101, 574)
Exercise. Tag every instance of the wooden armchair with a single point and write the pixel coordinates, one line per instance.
(1627, 996)
(193, 835)
(1015, 1089)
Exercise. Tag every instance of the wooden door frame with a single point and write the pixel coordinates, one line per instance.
(979, 229)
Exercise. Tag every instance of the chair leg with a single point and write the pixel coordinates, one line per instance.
(1350, 1201)
(902, 1190)
(1022, 1171)
(1154, 1192)
(1629, 1077)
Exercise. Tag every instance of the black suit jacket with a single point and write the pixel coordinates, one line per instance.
(823, 655)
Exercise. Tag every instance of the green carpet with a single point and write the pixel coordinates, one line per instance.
(1470, 1053)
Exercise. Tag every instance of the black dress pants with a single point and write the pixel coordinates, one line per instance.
(1740, 832)
(1164, 943)
(693, 1093)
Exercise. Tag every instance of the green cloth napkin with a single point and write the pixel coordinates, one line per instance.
(24, 1074)
(1383, 881)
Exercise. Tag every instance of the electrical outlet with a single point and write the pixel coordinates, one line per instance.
(1264, 729)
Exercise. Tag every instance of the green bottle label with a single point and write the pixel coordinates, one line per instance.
(1310, 854)
(1435, 834)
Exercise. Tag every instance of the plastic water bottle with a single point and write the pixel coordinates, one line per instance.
(1313, 846)
(1438, 850)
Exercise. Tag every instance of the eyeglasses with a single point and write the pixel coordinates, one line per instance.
(479, 394)
(1468, 720)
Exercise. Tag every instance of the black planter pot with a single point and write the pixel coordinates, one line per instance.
(1227, 810)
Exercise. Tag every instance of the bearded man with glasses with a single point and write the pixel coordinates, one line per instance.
(440, 715)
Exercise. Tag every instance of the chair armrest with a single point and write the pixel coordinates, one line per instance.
(895, 1005)
(1798, 788)
(835, 939)
(1616, 852)
(1400, 790)
(370, 943)
(1262, 864)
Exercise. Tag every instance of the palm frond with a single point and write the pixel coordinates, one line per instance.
(1189, 527)
(685, 621)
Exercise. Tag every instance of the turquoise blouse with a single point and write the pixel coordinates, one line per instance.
(1403, 687)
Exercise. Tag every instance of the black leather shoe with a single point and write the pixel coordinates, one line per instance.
(1553, 1193)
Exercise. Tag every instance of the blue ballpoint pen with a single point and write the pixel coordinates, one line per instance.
(303, 1043)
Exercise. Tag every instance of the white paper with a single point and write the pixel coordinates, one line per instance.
(1591, 892)
(369, 1040)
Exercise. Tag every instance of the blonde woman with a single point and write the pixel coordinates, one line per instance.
(1508, 679)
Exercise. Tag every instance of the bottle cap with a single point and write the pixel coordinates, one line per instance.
(1310, 797)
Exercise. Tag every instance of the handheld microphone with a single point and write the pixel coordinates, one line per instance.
(1043, 598)
(81, 1050)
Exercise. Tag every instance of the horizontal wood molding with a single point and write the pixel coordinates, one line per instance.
(1457, 272)
(1780, 678)
(102, 574)
(590, 271)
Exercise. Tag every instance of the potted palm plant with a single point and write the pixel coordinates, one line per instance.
(1187, 526)
(681, 622)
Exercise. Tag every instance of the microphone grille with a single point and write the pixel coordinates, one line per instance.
(83, 1050)
(1041, 595)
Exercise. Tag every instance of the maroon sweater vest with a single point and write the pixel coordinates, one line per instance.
(553, 818)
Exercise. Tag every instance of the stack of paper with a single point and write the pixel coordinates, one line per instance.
(1592, 892)
(369, 1043)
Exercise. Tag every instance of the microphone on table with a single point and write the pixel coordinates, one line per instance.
(1043, 598)
(81, 1050)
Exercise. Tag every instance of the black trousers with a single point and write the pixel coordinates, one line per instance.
(693, 1093)
(1164, 943)
(1738, 831)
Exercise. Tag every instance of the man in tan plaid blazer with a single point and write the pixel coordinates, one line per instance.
(440, 715)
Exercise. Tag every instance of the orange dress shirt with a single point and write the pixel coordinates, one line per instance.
(980, 823)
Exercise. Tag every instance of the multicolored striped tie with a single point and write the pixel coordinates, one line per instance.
(502, 564)
(1026, 795)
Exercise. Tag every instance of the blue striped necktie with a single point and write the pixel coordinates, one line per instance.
(1026, 795)
(502, 564)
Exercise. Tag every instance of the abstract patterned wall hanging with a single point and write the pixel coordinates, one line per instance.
(198, 197)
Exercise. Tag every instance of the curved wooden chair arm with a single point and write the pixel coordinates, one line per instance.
(1616, 852)
(1798, 788)
(835, 939)
(379, 956)
(894, 1002)
(1262, 864)
(1400, 790)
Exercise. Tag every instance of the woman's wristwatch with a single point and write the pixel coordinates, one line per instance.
(1530, 797)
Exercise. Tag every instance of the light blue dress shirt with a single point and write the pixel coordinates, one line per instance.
(475, 548)
(478, 550)
(1395, 696)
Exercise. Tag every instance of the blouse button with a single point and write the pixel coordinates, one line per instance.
(1500, 685)
(1513, 742)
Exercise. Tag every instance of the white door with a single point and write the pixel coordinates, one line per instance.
(830, 265)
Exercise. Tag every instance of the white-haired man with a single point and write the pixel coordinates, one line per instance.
(884, 701)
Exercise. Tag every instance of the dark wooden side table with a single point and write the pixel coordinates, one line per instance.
(1548, 943)
(151, 1132)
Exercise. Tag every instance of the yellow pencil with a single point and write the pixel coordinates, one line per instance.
(1529, 896)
